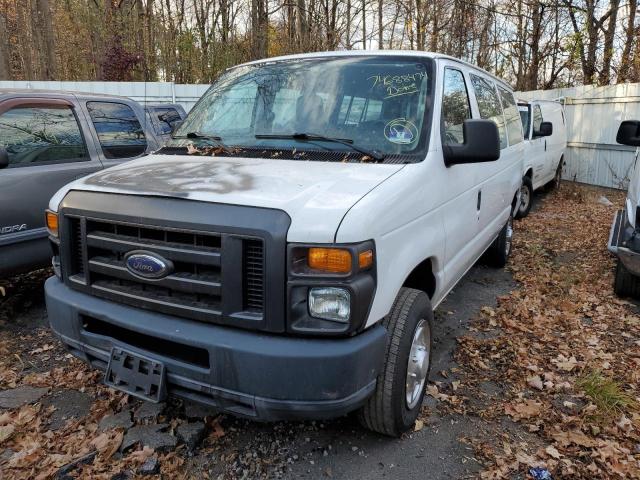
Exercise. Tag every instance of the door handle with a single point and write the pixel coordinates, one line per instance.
(545, 144)
(479, 199)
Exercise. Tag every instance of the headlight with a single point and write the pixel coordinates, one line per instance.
(330, 303)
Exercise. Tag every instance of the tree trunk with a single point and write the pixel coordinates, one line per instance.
(625, 64)
(380, 40)
(609, 34)
(5, 51)
(364, 25)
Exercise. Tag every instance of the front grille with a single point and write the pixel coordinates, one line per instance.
(194, 289)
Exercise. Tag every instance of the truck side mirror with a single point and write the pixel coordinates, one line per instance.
(4, 158)
(546, 130)
(629, 133)
(481, 144)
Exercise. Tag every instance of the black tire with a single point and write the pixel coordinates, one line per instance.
(526, 198)
(557, 179)
(626, 284)
(498, 253)
(387, 410)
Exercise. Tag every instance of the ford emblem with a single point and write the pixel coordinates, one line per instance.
(147, 264)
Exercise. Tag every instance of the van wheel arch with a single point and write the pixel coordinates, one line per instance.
(422, 278)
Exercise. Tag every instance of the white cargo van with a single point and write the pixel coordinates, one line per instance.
(545, 136)
(624, 238)
(282, 256)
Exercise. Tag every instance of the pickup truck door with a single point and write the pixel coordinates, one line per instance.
(47, 148)
(118, 131)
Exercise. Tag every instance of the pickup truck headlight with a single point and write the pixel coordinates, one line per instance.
(330, 303)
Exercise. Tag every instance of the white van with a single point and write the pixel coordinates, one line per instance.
(624, 237)
(545, 134)
(282, 256)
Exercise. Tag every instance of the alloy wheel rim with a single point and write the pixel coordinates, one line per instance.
(525, 198)
(418, 364)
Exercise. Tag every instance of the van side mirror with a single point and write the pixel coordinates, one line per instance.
(481, 144)
(546, 130)
(176, 125)
(629, 133)
(4, 158)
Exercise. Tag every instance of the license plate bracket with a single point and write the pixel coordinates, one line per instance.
(136, 375)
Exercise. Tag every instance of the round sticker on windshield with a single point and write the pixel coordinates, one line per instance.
(401, 131)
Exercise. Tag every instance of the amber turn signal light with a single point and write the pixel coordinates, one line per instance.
(52, 222)
(333, 260)
(365, 259)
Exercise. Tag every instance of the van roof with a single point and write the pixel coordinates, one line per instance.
(58, 93)
(379, 53)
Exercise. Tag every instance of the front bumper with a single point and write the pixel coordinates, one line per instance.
(624, 242)
(251, 374)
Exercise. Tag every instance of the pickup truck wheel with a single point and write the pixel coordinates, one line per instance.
(526, 198)
(626, 284)
(499, 251)
(397, 399)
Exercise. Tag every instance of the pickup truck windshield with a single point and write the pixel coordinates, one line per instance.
(372, 104)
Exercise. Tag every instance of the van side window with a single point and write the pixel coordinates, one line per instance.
(489, 105)
(41, 136)
(537, 118)
(511, 115)
(455, 106)
(118, 129)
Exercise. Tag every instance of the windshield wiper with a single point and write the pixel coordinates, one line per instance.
(376, 155)
(217, 140)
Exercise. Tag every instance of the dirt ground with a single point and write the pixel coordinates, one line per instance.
(536, 365)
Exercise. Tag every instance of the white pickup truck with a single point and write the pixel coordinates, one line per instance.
(282, 256)
(545, 140)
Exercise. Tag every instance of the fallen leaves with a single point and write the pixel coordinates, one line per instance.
(523, 410)
(566, 348)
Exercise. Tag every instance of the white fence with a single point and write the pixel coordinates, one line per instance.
(593, 115)
(143, 92)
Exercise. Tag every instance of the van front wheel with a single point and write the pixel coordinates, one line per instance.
(526, 198)
(626, 284)
(397, 399)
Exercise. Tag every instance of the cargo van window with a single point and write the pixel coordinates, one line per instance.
(118, 129)
(511, 115)
(489, 105)
(455, 106)
(41, 136)
(537, 118)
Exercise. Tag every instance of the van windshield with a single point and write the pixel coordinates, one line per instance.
(380, 104)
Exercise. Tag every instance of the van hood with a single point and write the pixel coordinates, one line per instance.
(316, 195)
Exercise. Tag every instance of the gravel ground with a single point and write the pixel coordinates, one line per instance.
(340, 448)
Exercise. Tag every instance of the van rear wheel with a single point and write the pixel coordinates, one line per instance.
(557, 179)
(626, 284)
(498, 253)
(395, 404)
